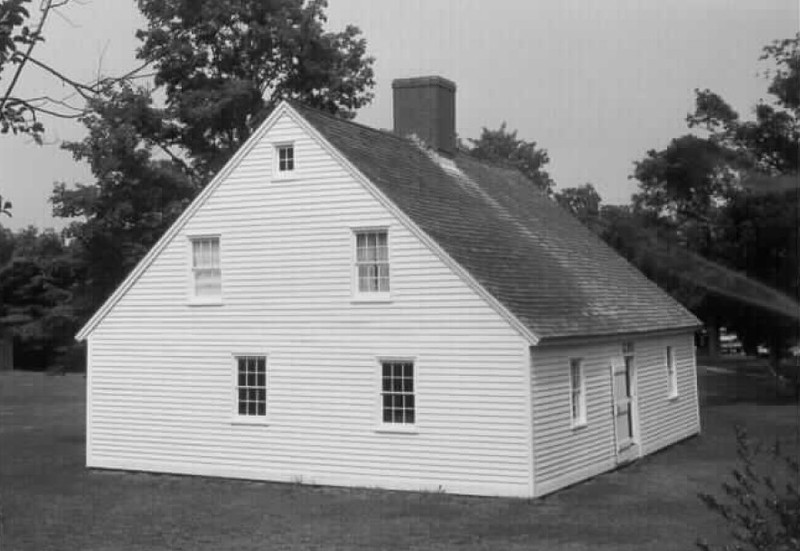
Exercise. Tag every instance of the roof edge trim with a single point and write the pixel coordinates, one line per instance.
(428, 241)
(176, 226)
(604, 337)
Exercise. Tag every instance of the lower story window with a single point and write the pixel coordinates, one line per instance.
(577, 392)
(397, 392)
(251, 385)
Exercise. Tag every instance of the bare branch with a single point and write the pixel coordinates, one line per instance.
(46, 7)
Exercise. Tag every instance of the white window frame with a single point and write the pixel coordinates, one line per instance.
(277, 173)
(244, 419)
(579, 420)
(369, 296)
(194, 298)
(672, 372)
(380, 424)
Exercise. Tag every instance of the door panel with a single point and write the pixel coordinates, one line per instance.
(623, 377)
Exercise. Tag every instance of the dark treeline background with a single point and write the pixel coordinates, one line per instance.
(715, 221)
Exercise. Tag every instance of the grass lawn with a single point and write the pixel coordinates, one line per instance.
(48, 500)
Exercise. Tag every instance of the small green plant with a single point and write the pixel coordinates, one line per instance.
(762, 503)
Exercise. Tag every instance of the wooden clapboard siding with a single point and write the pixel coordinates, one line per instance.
(664, 421)
(161, 370)
(563, 455)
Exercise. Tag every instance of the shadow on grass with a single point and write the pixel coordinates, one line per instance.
(736, 380)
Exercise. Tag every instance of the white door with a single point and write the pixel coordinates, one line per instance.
(624, 380)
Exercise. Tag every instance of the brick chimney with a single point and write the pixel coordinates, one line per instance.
(426, 106)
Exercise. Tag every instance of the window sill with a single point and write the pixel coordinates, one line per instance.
(579, 425)
(673, 398)
(387, 429)
(378, 298)
(253, 422)
(284, 177)
(204, 302)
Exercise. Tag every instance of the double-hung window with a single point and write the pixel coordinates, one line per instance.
(284, 160)
(206, 270)
(251, 386)
(397, 392)
(372, 263)
(672, 374)
(577, 386)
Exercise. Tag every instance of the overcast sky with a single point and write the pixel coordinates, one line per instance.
(596, 83)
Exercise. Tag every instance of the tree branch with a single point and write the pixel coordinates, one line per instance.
(46, 7)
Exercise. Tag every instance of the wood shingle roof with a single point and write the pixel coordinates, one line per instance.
(536, 259)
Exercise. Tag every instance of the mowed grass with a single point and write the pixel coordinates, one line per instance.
(49, 500)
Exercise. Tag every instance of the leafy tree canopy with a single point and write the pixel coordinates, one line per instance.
(504, 147)
(223, 65)
(582, 201)
(220, 67)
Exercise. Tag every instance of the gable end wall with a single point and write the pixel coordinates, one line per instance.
(161, 376)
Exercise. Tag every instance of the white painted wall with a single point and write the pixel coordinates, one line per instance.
(161, 375)
(563, 455)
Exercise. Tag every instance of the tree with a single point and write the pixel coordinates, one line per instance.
(36, 274)
(18, 39)
(759, 220)
(502, 146)
(684, 184)
(5, 207)
(135, 195)
(221, 67)
(224, 65)
(583, 202)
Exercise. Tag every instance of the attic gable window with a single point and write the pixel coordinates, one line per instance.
(285, 159)
(372, 263)
(206, 270)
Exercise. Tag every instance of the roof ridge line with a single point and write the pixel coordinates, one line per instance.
(326, 114)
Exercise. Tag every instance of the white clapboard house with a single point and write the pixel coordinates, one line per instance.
(348, 306)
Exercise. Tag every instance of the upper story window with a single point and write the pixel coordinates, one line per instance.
(285, 159)
(672, 374)
(577, 386)
(372, 262)
(206, 271)
(397, 392)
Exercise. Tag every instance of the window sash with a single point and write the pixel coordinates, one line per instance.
(285, 158)
(206, 270)
(672, 374)
(251, 386)
(372, 261)
(577, 393)
(398, 402)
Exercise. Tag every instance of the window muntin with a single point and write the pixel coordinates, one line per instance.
(577, 392)
(397, 392)
(672, 373)
(251, 386)
(206, 271)
(285, 158)
(372, 261)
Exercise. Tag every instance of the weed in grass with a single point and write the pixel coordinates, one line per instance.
(762, 507)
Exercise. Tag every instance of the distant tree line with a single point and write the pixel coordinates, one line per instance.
(714, 221)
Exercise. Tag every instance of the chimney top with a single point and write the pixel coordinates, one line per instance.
(420, 82)
(426, 107)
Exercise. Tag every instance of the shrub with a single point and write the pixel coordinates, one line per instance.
(762, 504)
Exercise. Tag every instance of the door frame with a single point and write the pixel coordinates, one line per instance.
(630, 450)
